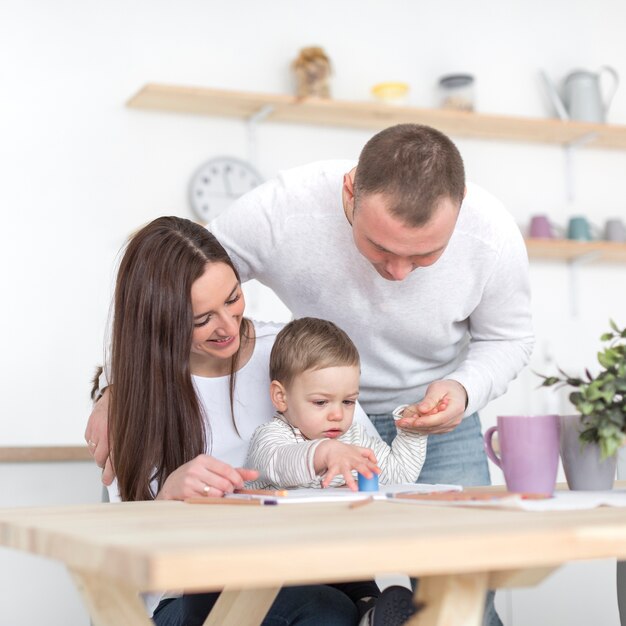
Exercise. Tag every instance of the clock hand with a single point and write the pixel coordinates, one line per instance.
(227, 171)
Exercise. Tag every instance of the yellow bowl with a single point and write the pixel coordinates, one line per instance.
(395, 93)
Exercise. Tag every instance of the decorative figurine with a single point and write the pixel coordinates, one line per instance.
(312, 69)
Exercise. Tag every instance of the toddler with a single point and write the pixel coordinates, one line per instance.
(312, 441)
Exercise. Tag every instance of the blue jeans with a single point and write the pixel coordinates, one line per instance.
(314, 605)
(456, 458)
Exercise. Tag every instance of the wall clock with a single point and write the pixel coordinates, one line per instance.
(218, 182)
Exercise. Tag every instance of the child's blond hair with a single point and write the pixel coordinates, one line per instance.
(309, 343)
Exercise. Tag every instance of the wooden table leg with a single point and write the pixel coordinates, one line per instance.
(241, 607)
(110, 603)
(519, 577)
(459, 600)
(455, 600)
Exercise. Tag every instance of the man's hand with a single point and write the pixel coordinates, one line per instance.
(334, 458)
(96, 436)
(204, 476)
(441, 410)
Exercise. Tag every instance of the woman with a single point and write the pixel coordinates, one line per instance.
(190, 378)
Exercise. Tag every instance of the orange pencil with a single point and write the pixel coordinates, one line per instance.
(263, 492)
(357, 503)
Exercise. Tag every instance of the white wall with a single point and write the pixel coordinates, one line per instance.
(80, 170)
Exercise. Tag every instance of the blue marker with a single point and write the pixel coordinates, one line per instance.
(368, 484)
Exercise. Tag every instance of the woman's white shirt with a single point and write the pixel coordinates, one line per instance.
(228, 440)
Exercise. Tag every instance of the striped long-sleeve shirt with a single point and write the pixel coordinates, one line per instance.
(284, 457)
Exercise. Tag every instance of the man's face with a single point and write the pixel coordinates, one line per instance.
(392, 247)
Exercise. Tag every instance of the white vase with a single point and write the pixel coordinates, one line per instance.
(584, 469)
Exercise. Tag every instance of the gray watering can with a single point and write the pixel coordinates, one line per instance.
(582, 99)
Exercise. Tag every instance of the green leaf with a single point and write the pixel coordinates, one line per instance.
(613, 325)
(549, 381)
(589, 435)
(593, 393)
(575, 398)
(608, 358)
(607, 448)
(606, 337)
(617, 416)
(609, 395)
(575, 382)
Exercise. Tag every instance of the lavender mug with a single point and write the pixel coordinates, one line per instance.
(529, 452)
(540, 227)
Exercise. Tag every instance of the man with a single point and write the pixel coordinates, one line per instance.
(428, 276)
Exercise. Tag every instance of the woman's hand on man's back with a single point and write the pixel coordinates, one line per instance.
(204, 476)
(96, 436)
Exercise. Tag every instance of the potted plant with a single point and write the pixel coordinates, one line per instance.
(601, 403)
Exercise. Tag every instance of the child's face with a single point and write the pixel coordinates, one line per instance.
(321, 402)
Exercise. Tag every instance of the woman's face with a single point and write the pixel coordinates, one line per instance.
(218, 304)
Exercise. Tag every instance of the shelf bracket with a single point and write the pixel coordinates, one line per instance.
(574, 266)
(570, 146)
(252, 124)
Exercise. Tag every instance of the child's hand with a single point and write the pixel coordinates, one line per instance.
(334, 458)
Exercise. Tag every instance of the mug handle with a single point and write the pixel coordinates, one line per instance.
(488, 436)
(609, 70)
(596, 231)
(560, 232)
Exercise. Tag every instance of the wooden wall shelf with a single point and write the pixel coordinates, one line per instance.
(284, 108)
(44, 454)
(572, 251)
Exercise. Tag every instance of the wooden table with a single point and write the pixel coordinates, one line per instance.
(114, 551)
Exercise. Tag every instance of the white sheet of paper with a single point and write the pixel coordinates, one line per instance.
(343, 494)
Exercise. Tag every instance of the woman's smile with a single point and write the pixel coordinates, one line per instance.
(222, 342)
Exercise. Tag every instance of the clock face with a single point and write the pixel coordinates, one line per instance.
(218, 183)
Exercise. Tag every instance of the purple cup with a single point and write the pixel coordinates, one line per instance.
(540, 227)
(529, 452)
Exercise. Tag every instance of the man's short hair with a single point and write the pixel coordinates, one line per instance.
(309, 343)
(415, 167)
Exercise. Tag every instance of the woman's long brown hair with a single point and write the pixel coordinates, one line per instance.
(156, 423)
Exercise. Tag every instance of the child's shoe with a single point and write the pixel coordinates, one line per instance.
(393, 607)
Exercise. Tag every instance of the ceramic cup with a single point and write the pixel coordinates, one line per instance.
(529, 452)
(579, 229)
(614, 230)
(540, 227)
(584, 471)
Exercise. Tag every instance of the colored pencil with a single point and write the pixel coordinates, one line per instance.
(357, 503)
(244, 501)
(263, 492)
